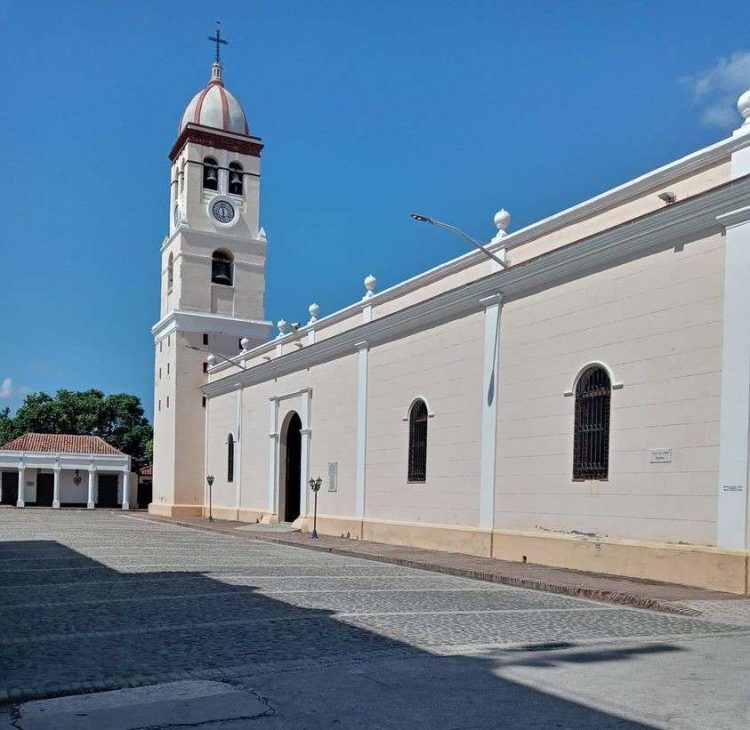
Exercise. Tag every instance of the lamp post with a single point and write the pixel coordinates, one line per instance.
(315, 486)
(210, 481)
(426, 219)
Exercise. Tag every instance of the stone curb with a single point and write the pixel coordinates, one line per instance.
(619, 598)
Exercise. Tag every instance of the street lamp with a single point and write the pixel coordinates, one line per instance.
(426, 219)
(210, 481)
(315, 486)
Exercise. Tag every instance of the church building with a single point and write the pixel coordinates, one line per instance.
(579, 399)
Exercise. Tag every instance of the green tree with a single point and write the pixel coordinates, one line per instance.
(117, 418)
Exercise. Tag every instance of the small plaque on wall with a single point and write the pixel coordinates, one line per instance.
(333, 476)
(661, 456)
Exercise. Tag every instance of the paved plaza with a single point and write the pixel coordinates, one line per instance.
(226, 632)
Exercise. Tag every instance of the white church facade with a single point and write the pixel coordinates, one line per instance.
(586, 404)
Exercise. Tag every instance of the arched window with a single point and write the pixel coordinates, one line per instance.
(210, 174)
(418, 441)
(170, 272)
(230, 458)
(591, 436)
(235, 178)
(222, 267)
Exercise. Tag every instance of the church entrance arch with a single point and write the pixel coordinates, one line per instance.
(290, 474)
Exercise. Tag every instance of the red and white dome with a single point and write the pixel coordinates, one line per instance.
(215, 107)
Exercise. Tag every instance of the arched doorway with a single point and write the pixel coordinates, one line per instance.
(291, 462)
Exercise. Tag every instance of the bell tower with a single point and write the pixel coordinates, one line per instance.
(212, 281)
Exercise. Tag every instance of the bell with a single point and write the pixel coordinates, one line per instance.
(211, 175)
(235, 179)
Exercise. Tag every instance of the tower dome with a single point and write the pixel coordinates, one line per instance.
(214, 106)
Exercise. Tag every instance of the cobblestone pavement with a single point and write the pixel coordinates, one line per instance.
(99, 600)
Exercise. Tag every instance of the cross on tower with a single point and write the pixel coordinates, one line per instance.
(218, 40)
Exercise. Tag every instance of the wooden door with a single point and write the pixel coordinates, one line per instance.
(107, 491)
(10, 487)
(45, 487)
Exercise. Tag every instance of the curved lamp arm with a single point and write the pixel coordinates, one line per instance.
(426, 219)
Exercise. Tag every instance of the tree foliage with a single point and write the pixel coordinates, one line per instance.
(117, 418)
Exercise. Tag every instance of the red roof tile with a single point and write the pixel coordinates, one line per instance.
(146, 471)
(61, 443)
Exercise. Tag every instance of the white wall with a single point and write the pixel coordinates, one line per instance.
(656, 322)
(443, 366)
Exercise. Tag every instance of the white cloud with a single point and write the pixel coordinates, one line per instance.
(716, 89)
(7, 390)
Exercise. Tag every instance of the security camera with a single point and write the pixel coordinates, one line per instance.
(295, 326)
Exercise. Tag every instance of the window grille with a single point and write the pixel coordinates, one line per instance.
(591, 436)
(230, 458)
(418, 442)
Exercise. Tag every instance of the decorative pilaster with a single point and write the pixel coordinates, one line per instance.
(273, 437)
(238, 453)
(734, 429)
(492, 309)
(56, 488)
(20, 499)
(91, 502)
(363, 351)
(306, 432)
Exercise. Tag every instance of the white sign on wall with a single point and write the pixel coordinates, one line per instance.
(333, 476)
(661, 456)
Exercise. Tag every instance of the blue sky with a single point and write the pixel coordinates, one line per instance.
(368, 110)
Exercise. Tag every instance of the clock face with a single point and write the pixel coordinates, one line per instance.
(223, 211)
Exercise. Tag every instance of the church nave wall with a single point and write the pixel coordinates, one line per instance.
(656, 322)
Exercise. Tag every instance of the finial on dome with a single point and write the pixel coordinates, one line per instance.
(743, 106)
(217, 73)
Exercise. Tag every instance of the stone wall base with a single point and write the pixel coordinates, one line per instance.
(690, 565)
(175, 510)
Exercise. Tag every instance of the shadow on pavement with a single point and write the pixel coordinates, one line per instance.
(77, 625)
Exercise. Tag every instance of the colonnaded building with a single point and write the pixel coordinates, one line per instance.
(584, 403)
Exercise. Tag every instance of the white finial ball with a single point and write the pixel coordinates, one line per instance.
(211, 360)
(743, 106)
(282, 325)
(314, 310)
(502, 219)
(370, 283)
(245, 343)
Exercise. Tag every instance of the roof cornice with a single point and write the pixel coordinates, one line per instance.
(210, 137)
(180, 320)
(694, 162)
(690, 219)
